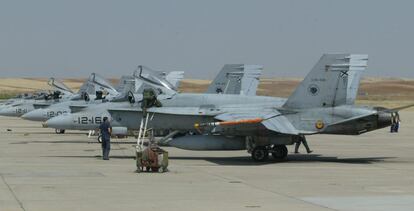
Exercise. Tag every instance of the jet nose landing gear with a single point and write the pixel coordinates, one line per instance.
(59, 131)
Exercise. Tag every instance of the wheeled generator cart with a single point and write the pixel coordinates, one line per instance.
(152, 159)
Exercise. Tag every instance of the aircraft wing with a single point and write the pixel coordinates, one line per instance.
(273, 121)
(351, 120)
(353, 126)
(280, 124)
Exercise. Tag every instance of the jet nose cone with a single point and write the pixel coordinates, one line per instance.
(8, 111)
(59, 122)
(36, 115)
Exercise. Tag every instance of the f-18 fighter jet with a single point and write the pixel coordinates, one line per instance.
(18, 107)
(322, 104)
(232, 80)
(90, 94)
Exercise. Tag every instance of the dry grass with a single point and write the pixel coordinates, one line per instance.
(390, 92)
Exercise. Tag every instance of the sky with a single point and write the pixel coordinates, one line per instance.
(73, 38)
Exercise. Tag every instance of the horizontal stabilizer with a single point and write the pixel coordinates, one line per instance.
(357, 125)
(350, 120)
(399, 108)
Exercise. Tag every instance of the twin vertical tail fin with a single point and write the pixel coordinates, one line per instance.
(125, 84)
(125, 87)
(333, 81)
(251, 79)
(236, 79)
(175, 77)
(87, 87)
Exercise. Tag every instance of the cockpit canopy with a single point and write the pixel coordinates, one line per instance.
(156, 79)
(58, 85)
(102, 84)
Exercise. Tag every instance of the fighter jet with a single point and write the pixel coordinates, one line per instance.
(20, 97)
(86, 98)
(55, 85)
(237, 79)
(18, 107)
(322, 104)
(95, 90)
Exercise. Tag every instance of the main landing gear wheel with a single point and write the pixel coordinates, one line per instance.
(279, 152)
(260, 154)
(59, 131)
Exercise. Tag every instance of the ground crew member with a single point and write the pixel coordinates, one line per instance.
(395, 122)
(302, 139)
(106, 130)
(392, 122)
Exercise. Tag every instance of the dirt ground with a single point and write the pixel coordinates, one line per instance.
(388, 92)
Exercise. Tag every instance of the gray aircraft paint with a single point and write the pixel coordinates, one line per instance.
(250, 76)
(175, 78)
(305, 109)
(124, 87)
(93, 84)
(236, 79)
(22, 106)
(59, 85)
(322, 104)
(328, 84)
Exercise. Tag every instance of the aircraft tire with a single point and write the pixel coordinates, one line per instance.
(280, 152)
(59, 131)
(260, 154)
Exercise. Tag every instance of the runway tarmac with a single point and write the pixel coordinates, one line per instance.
(41, 171)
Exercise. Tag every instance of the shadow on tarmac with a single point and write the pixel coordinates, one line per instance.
(91, 156)
(71, 142)
(47, 133)
(50, 142)
(247, 161)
